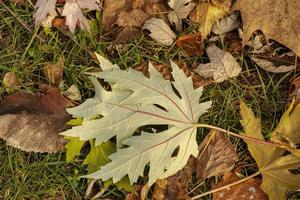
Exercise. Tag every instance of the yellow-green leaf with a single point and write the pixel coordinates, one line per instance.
(273, 165)
(73, 148)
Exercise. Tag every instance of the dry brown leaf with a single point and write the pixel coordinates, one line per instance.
(32, 122)
(248, 190)
(206, 14)
(11, 82)
(129, 16)
(217, 156)
(277, 19)
(294, 92)
(175, 187)
(54, 72)
(191, 44)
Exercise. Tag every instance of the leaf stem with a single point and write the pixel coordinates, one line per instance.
(226, 186)
(237, 135)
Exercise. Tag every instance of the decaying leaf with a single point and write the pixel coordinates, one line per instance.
(294, 92)
(160, 31)
(54, 72)
(175, 187)
(32, 122)
(271, 67)
(275, 166)
(11, 82)
(248, 190)
(129, 16)
(217, 156)
(181, 9)
(206, 13)
(280, 22)
(73, 93)
(191, 44)
(226, 24)
(222, 65)
(135, 98)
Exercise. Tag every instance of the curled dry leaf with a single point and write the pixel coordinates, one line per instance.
(181, 9)
(222, 65)
(54, 72)
(160, 31)
(206, 13)
(32, 122)
(280, 22)
(294, 92)
(273, 163)
(248, 190)
(191, 44)
(175, 187)
(217, 156)
(271, 67)
(11, 82)
(73, 93)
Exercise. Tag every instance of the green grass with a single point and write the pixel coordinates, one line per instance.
(40, 176)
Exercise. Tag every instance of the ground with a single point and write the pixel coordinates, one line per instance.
(41, 176)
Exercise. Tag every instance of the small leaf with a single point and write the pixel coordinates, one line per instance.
(160, 31)
(191, 44)
(222, 65)
(44, 7)
(206, 14)
(181, 9)
(271, 67)
(217, 156)
(73, 148)
(54, 72)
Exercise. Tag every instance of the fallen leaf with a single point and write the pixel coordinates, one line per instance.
(181, 9)
(43, 8)
(73, 13)
(274, 165)
(271, 67)
(129, 16)
(206, 13)
(160, 31)
(175, 187)
(226, 24)
(54, 72)
(73, 93)
(277, 19)
(11, 82)
(217, 156)
(248, 190)
(32, 122)
(294, 92)
(222, 66)
(191, 44)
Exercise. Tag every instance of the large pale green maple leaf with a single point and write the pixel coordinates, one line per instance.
(136, 101)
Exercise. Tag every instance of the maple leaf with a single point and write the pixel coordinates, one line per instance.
(136, 101)
(44, 7)
(73, 13)
(181, 9)
(277, 19)
(272, 162)
(222, 66)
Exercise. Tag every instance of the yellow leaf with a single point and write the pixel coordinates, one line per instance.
(273, 165)
(207, 13)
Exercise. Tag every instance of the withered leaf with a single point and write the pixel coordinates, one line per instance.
(11, 82)
(217, 156)
(53, 72)
(191, 44)
(245, 191)
(32, 122)
(271, 67)
(175, 187)
(280, 22)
